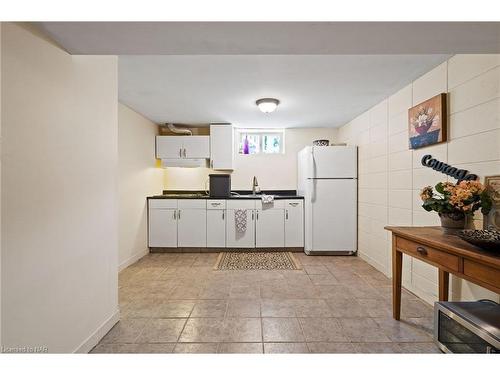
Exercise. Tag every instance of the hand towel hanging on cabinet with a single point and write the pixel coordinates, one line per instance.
(240, 220)
(267, 198)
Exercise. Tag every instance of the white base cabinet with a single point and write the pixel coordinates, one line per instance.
(294, 223)
(191, 228)
(162, 228)
(211, 223)
(191, 223)
(216, 223)
(162, 223)
(237, 239)
(270, 225)
(216, 228)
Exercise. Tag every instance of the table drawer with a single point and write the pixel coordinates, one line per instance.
(478, 271)
(428, 254)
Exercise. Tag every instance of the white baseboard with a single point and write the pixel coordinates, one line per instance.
(132, 260)
(374, 263)
(426, 297)
(99, 333)
(419, 293)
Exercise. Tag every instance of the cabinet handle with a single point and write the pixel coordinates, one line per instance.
(222, 215)
(252, 215)
(421, 250)
(257, 214)
(179, 214)
(180, 152)
(175, 214)
(293, 204)
(215, 204)
(286, 214)
(184, 152)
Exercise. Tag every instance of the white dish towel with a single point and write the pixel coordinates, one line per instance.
(240, 220)
(267, 198)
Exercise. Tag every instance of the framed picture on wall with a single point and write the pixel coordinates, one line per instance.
(427, 122)
(492, 184)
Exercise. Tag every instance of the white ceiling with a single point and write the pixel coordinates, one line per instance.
(315, 91)
(324, 73)
(275, 38)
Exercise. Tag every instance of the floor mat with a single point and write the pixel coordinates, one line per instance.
(256, 261)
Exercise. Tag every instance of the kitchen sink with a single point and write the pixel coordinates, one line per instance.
(246, 196)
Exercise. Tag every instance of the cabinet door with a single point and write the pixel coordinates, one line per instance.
(216, 228)
(162, 227)
(270, 228)
(239, 239)
(192, 227)
(221, 147)
(168, 147)
(294, 224)
(196, 147)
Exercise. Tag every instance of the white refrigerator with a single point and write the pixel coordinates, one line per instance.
(327, 178)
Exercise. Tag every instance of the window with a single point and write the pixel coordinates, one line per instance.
(261, 141)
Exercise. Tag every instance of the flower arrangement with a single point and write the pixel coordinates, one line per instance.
(461, 199)
(424, 119)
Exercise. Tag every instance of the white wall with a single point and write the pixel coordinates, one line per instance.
(138, 177)
(1, 25)
(391, 176)
(272, 171)
(59, 194)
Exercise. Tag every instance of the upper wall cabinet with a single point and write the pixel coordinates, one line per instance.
(183, 147)
(168, 147)
(196, 147)
(221, 147)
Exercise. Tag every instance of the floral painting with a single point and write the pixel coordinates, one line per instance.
(492, 184)
(427, 122)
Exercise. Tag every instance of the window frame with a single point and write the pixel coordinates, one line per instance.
(261, 132)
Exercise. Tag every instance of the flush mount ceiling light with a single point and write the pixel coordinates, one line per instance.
(267, 105)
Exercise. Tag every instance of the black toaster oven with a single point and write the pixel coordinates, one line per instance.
(467, 327)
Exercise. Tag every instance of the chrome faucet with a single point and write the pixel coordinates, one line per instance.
(255, 186)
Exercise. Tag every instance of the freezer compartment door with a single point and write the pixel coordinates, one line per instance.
(331, 215)
(331, 162)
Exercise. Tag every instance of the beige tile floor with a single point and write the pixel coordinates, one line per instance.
(177, 303)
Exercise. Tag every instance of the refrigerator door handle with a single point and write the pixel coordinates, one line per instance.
(312, 164)
(312, 189)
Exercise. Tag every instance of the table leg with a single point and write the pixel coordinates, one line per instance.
(397, 267)
(444, 283)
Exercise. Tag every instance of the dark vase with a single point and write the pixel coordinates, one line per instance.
(452, 222)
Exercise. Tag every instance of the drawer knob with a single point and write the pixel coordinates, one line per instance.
(421, 250)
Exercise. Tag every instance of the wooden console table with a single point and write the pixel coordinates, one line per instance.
(447, 252)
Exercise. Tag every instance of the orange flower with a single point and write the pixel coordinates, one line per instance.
(448, 186)
(426, 193)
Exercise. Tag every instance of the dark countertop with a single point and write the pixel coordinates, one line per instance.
(244, 194)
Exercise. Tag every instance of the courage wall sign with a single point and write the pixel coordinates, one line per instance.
(459, 174)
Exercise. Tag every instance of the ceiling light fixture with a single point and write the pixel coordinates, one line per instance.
(267, 105)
